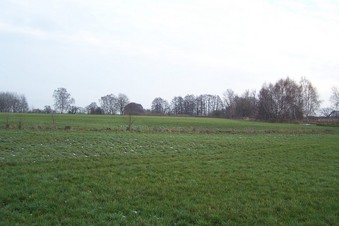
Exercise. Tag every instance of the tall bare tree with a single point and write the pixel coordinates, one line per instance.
(212, 104)
(160, 106)
(189, 104)
(62, 100)
(229, 103)
(266, 103)
(200, 105)
(177, 105)
(335, 98)
(109, 104)
(246, 105)
(122, 101)
(310, 97)
(12, 102)
(281, 101)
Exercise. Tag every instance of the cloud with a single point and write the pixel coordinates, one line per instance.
(8, 28)
(212, 34)
(246, 40)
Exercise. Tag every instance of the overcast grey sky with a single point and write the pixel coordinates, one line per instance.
(158, 48)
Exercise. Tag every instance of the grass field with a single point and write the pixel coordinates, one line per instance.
(152, 124)
(167, 171)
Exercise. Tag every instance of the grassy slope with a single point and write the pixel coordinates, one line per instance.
(110, 177)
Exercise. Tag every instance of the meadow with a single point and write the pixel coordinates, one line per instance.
(89, 170)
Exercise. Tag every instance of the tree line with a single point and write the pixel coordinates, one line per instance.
(280, 101)
(12, 102)
(284, 100)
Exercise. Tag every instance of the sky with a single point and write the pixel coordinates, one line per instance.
(164, 48)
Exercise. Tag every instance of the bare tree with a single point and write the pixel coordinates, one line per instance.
(209, 104)
(22, 105)
(310, 97)
(122, 101)
(12, 102)
(160, 106)
(74, 110)
(62, 100)
(219, 105)
(48, 109)
(335, 98)
(177, 105)
(7, 101)
(94, 109)
(246, 105)
(200, 105)
(189, 104)
(266, 103)
(325, 111)
(229, 103)
(287, 95)
(281, 101)
(130, 121)
(109, 104)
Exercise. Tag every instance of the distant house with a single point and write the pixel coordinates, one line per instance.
(334, 114)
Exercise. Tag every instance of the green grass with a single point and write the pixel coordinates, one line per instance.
(88, 176)
(152, 123)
